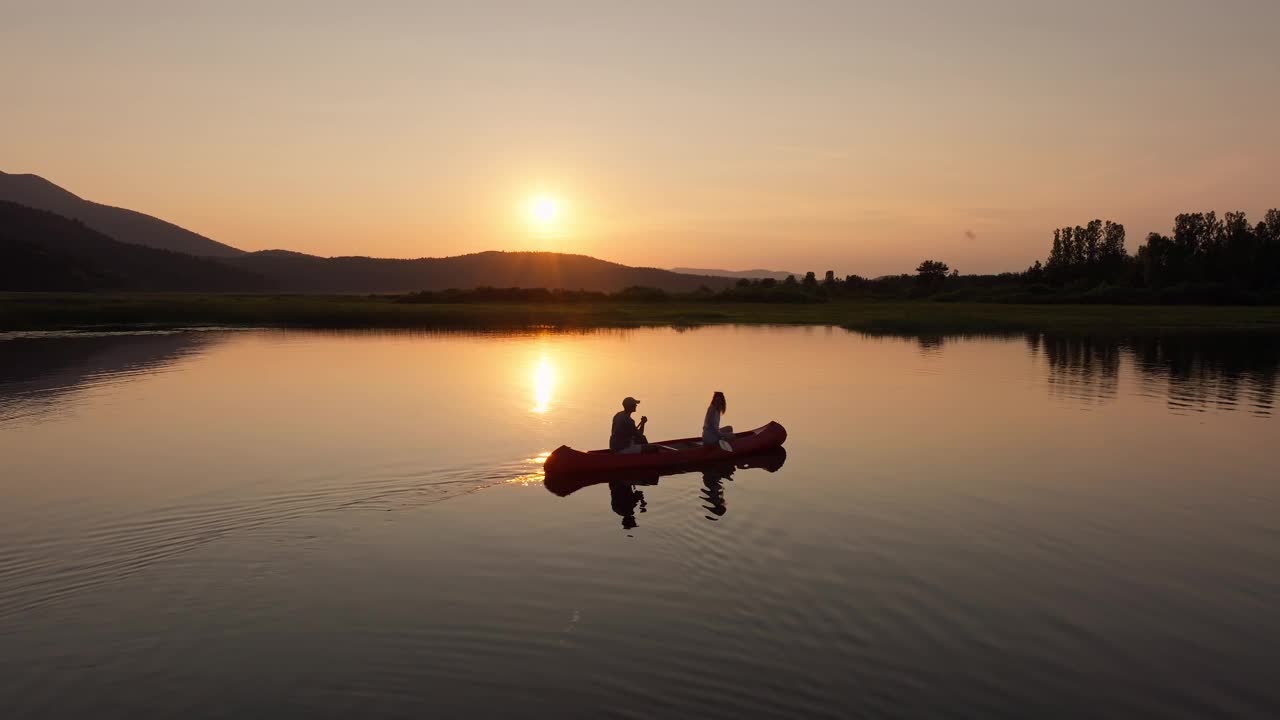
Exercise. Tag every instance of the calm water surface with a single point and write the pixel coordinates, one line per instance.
(276, 524)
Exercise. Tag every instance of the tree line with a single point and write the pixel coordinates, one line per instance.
(1206, 259)
(1202, 249)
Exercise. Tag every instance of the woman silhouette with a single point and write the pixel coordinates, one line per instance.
(712, 433)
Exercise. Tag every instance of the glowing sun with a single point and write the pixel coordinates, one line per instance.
(544, 210)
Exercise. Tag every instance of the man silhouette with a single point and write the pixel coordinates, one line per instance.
(626, 436)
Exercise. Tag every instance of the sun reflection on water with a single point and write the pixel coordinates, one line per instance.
(544, 382)
(535, 477)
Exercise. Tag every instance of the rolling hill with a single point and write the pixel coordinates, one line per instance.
(124, 225)
(42, 251)
(296, 272)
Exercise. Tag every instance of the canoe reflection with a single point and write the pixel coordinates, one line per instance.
(626, 500)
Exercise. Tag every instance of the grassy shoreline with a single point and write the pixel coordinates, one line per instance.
(47, 311)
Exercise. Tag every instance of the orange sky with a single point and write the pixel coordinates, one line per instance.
(860, 137)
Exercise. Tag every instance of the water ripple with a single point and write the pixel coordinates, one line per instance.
(43, 570)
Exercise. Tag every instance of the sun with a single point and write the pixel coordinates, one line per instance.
(544, 209)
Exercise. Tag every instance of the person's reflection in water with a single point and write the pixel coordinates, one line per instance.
(713, 491)
(625, 499)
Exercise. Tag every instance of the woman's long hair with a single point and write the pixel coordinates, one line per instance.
(718, 402)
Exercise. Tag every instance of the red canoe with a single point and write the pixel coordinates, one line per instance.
(687, 451)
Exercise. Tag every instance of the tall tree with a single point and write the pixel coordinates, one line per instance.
(1113, 255)
(1239, 249)
(1156, 258)
(1078, 256)
(1055, 267)
(1267, 233)
(1091, 245)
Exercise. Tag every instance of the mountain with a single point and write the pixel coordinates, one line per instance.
(123, 225)
(41, 251)
(52, 240)
(296, 272)
(752, 274)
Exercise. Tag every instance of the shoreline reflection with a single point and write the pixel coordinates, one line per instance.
(1193, 371)
(39, 375)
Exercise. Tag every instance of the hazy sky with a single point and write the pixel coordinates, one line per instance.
(854, 136)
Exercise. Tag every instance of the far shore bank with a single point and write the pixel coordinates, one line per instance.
(69, 311)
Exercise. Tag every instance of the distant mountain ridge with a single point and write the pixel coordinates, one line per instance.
(44, 251)
(124, 225)
(51, 239)
(751, 274)
(296, 272)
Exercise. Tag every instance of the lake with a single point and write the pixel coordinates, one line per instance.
(265, 523)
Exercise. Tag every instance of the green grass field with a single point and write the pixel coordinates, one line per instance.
(38, 311)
